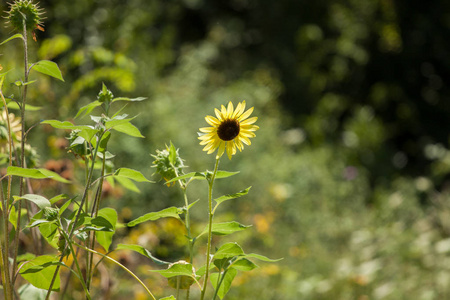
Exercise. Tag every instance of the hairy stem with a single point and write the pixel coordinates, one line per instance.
(211, 215)
(120, 265)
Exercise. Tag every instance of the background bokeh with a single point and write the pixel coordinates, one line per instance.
(349, 170)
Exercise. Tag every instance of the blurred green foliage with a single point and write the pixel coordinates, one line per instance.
(350, 167)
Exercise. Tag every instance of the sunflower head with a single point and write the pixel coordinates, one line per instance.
(230, 130)
(25, 10)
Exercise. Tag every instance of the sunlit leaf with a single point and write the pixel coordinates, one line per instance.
(28, 107)
(83, 111)
(171, 212)
(225, 228)
(28, 291)
(129, 129)
(128, 99)
(26, 173)
(225, 174)
(244, 264)
(225, 282)
(40, 201)
(127, 183)
(53, 175)
(105, 238)
(141, 250)
(228, 250)
(232, 196)
(131, 174)
(48, 68)
(39, 272)
(16, 36)
(177, 270)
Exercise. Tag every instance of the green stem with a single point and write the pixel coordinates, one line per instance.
(220, 280)
(5, 207)
(120, 265)
(83, 199)
(94, 213)
(66, 237)
(211, 215)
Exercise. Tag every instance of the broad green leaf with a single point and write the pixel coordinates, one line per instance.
(118, 120)
(177, 270)
(225, 284)
(168, 298)
(141, 250)
(16, 36)
(13, 216)
(171, 212)
(48, 68)
(128, 99)
(193, 175)
(87, 132)
(28, 291)
(26, 173)
(88, 108)
(225, 174)
(25, 257)
(58, 198)
(28, 107)
(232, 196)
(127, 183)
(105, 238)
(244, 264)
(225, 228)
(39, 272)
(53, 175)
(40, 201)
(261, 257)
(129, 129)
(50, 232)
(228, 250)
(131, 174)
(38, 222)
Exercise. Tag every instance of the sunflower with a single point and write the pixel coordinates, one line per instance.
(230, 130)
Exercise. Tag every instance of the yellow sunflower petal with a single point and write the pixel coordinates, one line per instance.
(237, 110)
(221, 149)
(247, 133)
(231, 149)
(249, 121)
(230, 110)
(218, 114)
(245, 115)
(245, 140)
(207, 129)
(223, 111)
(212, 121)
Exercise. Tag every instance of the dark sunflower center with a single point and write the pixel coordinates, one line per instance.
(228, 130)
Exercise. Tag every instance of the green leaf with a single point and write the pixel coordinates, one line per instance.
(26, 173)
(87, 132)
(261, 257)
(53, 175)
(13, 216)
(50, 233)
(129, 129)
(58, 198)
(48, 68)
(228, 250)
(127, 183)
(193, 175)
(177, 270)
(226, 282)
(39, 272)
(16, 36)
(28, 291)
(131, 174)
(88, 108)
(244, 264)
(105, 238)
(225, 228)
(38, 222)
(171, 212)
(128, 99)
(141, 250)
(225, 174)
(28, 107)
(40, 201)
(232, 196)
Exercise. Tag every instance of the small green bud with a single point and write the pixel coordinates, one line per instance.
(51, 213)
(25, 10)
(105, 95)
(168, 163)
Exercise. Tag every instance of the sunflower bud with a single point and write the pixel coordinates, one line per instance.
(51, 213)
(105, 95)
(21, 11)
(168, 163)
